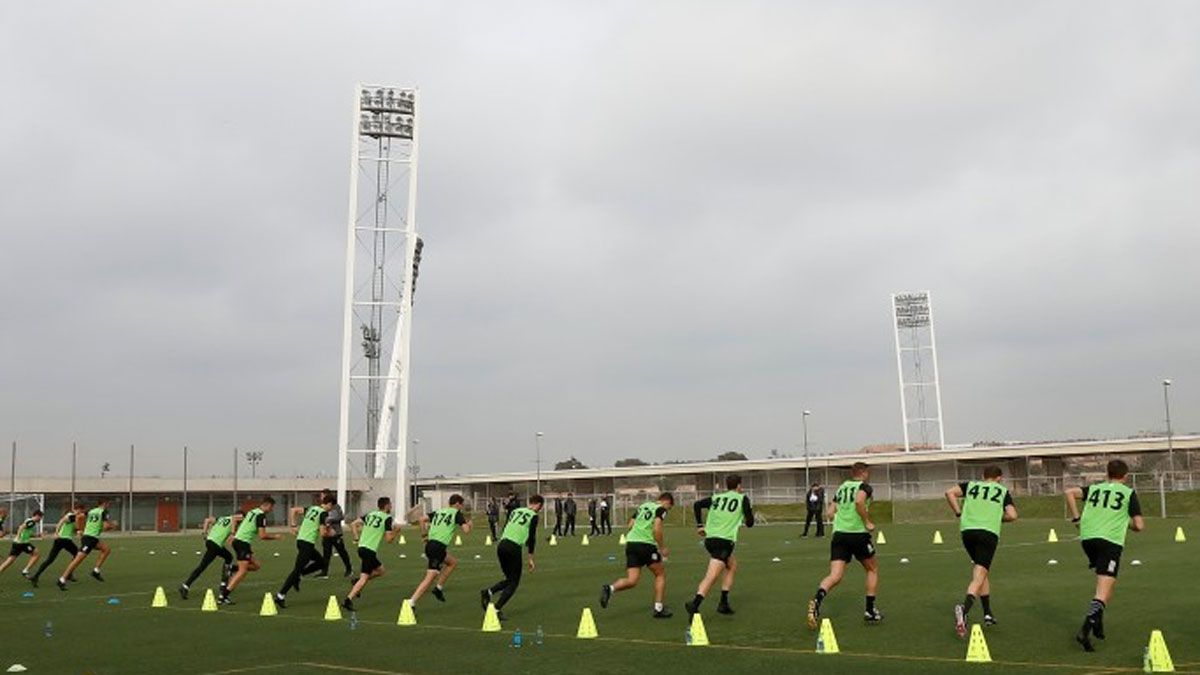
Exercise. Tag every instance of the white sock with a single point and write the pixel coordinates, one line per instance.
(658, 606)
(185, 586)
(96, 570)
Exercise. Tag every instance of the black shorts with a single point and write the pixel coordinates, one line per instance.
(981, 546)
(18, 549)
(1103, 556)
(435, 554)
(847, 545)
(242, 550)
(369, 560)
(87, 543)
(640, 554)
(719, 549)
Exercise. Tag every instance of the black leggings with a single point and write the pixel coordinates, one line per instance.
(510, 563)
(328, 546)
(307, 562)
(60, 544)
(212, 551)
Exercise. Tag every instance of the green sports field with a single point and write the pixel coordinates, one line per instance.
(1038, 605)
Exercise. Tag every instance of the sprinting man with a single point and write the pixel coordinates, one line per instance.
(64, 540)
(521, 530)
(217, 532)
(852, 528)
(984, 506)
(645, 546)
(96, 523)
(253, 525)
(333, 541)
(370, 531)
(1109, 509)
(438, 530)
(22, 543)
(3, 521)
(727, 512)
(308, 559)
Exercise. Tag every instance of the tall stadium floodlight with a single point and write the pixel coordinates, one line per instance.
(382, 255)
(916, 362)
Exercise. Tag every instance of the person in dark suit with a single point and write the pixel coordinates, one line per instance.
(510, 504)
(493, 516)
(569, 508)
(814, 503)
(592, 520)
(558, 516)
(605, 515)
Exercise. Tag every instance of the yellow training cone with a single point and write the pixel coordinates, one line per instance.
(553, 540)
(585, 540)
(880, 539)
(1157, 659)
(697, 636)
(160, 598)
(488, 541)
(977, 649)
(210, 602)
(406, 618)
(332, 611)
(1053, 536)
(621, 541)
(268, 606)
(491, 622)
(937, 536)
(401, 540)
(458, 540)
(587, 625)
(1179, 538)
(826, 640)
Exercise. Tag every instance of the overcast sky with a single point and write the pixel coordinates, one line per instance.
(653, 229)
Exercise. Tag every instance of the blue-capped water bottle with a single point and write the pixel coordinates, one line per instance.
(48, 631)
(353, 620)
(539, 637)
(516, 640)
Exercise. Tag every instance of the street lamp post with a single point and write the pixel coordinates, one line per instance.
(804, 422)
(254, 458)
(537, 441)
(1166, 383)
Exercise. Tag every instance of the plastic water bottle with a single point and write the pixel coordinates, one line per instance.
(820, 645)
(687, 636)
(539, 637)
(48, 631)
(516, 641)
(353, 620)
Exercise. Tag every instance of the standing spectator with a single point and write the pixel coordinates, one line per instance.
(605, 515)
(570, 508)
(558, 516)
(493, 516)
(814, 503)
(592, 520)
(510, 504)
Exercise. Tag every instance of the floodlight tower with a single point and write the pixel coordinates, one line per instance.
(917, 364)
(383, 253)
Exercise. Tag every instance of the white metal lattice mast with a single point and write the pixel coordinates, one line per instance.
(383, 252)
(912, 322)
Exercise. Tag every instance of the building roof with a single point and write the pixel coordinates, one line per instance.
(960, 454)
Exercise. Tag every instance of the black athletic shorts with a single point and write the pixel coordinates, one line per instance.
(1103, 556)
(719, 549)
(846, 545)
(981, 546)
(242, 550)
(435, 554)
(641, 554)
(369, 559)
(87, 543)
(18, 549)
